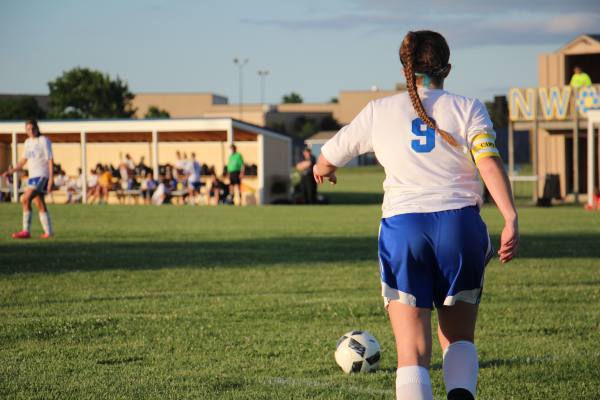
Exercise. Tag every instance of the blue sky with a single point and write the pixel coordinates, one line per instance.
(315, 48)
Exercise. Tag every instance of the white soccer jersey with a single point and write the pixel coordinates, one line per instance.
(424, 173)
(38, 151)
(194, 170)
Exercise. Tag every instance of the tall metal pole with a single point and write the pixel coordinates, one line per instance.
(263, 75)
(535, 154)
(590, 163)
(83, 142)
(240, 64)
(155, 174)
(15, 161)
(575, 146)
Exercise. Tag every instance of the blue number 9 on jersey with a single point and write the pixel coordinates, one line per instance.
(420, 128)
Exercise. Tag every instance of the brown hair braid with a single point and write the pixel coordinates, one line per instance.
(425, 52)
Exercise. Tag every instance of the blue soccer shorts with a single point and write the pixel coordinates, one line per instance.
(39, 184)
(436, 258)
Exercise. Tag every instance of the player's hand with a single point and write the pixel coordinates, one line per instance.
(509, 242)
(49, 188)
(321, 178)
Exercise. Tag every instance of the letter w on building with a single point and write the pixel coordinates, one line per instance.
(554, 102)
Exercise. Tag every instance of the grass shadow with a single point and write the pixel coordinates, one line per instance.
(60, 256)
(92, 256)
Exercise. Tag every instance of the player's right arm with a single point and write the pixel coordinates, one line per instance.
(19, 167)
(351, 141)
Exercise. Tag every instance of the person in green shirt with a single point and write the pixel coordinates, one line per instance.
(580, 78)
(235, 169)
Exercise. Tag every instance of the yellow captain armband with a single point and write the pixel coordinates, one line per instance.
(484, 145)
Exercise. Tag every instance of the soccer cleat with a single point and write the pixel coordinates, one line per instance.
(46, 236)
(21, 235)
(460, 394)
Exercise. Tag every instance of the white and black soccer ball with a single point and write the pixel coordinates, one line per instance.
(357, 351)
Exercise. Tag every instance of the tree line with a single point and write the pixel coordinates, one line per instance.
(83, 93)
(80, 93)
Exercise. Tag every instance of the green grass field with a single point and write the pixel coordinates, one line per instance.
(247, 303)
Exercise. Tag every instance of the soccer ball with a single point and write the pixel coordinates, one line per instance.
(357, 351)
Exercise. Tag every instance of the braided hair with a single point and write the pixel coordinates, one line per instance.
(425, 52)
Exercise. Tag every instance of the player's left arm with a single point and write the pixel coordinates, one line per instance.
(243, 169)
(50, 158)
(50, 174)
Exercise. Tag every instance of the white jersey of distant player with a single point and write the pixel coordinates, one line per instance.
(193, 170)
(424, 173)
(38, 151)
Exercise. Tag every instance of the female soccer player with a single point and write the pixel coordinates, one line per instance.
(38, 156)
(433, 245)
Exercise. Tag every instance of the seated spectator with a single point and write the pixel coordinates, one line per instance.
(148, 185)
(218, 191)
(162, 194)
(74, 188)
(142, 169)
(93, 188)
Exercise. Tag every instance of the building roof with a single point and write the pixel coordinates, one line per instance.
(584, 43)
(595, 36)
(140, 130)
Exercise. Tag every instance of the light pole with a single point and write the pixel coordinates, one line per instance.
(240, 64)
(263, 75)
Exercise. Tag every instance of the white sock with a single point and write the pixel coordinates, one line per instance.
(461, 366)
(413, 383)
(46, 223)
(27, 221)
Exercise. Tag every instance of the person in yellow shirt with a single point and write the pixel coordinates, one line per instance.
(580, 78)
(105, 183)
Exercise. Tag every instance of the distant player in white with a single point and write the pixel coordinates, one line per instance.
(38, 157)
(193, 170)
(433, 245)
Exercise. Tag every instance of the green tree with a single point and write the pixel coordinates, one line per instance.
(155, 112)
(498, 111)
(21, 108)
(293, 97)
(305, 127)
(328, 123)
(334, 100)
(86, 93)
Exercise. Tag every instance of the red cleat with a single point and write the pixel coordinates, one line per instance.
(21, 235)
(46, 236)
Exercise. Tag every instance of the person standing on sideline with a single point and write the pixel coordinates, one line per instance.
(38, 157)
(194, 173)
(308, 185)
(580, 78)
(433, 245)
(235, 170)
